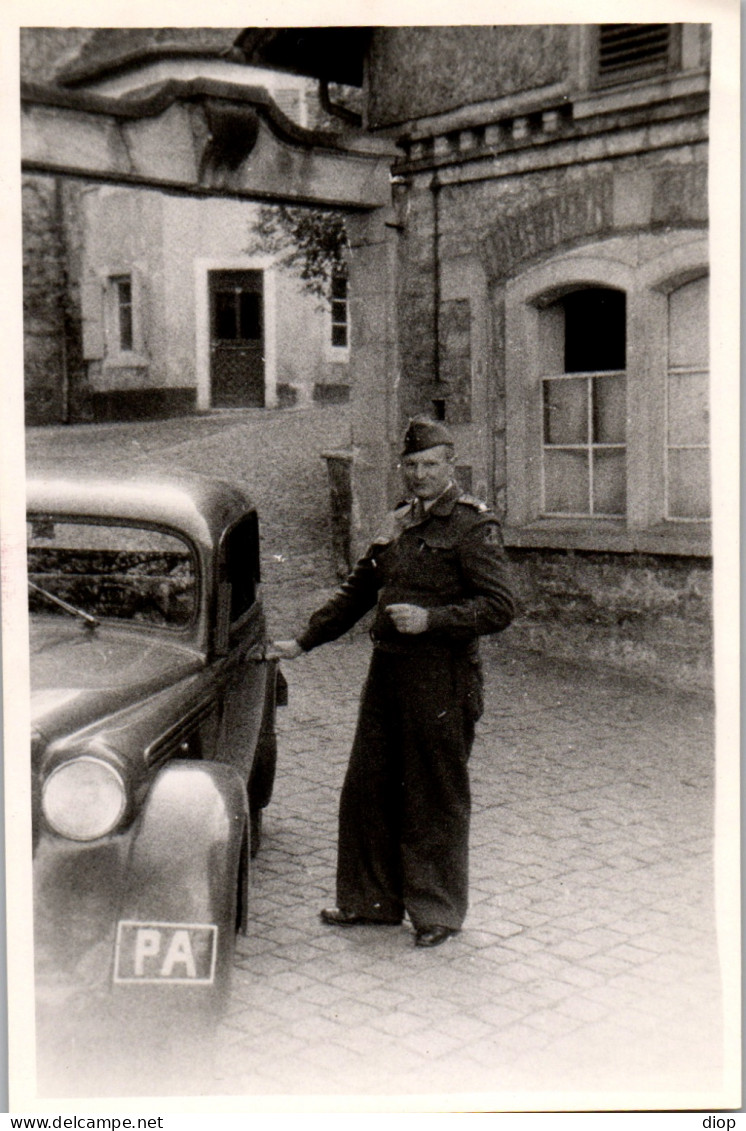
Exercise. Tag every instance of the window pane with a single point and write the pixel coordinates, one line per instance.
(566, 482)
(123, 297)
(566, 411)
(339, 312)
(339, 335)
(688, 343)
(250, 326)
(688, 409)
(595, 330)
(552, 339)
(125, 327)
(689, 483)
(119, 572)
(242, 565)
(339, 287)
(609, 410)
(609, 482)
(225, 316)
(124, 286)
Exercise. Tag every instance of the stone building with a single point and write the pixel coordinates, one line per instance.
(551, 302)
(143, 303)
(538, 280)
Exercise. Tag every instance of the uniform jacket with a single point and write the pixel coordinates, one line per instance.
(449, 560)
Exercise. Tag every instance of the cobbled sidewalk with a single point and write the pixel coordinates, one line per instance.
(588, 958)
(588, 961)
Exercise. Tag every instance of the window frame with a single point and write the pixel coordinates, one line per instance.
(189, 628)
(115, 355)
(648, 270)
(339, 353)
(556, 370)
(669, 288)
(639, 71)
(118, 282)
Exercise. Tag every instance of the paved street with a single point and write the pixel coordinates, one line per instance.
(588, 959)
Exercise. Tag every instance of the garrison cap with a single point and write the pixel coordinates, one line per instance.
(423, 433)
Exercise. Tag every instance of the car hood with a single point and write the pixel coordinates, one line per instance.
(78, 675)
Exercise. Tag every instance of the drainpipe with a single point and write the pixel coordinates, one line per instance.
(435, 190)
(59, 217)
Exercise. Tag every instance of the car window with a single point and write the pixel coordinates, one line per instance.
(241, 551)
(111, 571)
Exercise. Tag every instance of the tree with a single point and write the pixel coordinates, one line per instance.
(311, 239)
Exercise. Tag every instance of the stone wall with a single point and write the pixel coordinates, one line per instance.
(644, 613)
(416, 71)
(472, 229)
(52, 243)
(503, 225)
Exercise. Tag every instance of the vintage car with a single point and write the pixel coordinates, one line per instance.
(153, 744)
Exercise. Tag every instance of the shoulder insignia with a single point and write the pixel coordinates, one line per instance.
(476, 504)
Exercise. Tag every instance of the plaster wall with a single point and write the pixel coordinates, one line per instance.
(173, 243)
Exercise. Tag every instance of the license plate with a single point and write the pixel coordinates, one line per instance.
(165, 952)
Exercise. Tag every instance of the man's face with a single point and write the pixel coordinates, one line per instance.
(427, 474)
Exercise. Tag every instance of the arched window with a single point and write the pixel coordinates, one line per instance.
(583, 363)
(606, 398)
(687, 404)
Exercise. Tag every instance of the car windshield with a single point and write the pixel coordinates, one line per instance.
(111, 571)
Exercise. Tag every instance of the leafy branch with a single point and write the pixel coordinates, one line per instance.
(312, 240)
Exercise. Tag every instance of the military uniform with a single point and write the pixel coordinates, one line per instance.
(405, 804)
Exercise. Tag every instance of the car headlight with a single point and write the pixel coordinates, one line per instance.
(84, 799)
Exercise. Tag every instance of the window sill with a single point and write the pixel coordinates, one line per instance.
(673, 538)
(625, 94)
(126, 361)
(338, 355)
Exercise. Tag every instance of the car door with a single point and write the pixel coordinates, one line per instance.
(241, 622)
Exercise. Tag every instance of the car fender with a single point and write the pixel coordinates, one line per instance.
(187, 843)
(188, 851)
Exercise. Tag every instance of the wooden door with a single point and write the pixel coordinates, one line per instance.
(236, 339)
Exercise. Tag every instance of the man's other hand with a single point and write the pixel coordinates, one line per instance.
(283, 650)
(411, 619)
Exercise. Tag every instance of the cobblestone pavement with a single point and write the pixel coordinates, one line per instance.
(588, 960)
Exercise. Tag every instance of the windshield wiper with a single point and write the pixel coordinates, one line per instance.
(91, 622)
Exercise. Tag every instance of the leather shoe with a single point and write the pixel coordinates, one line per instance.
(338, 917)
(433, 936)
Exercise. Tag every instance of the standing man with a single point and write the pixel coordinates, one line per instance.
(438, 577)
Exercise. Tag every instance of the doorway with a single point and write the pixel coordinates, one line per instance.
(237, 338)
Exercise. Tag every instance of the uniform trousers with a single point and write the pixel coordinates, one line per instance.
(405, 804)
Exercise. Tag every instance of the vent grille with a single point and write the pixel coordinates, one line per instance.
(640, 49)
